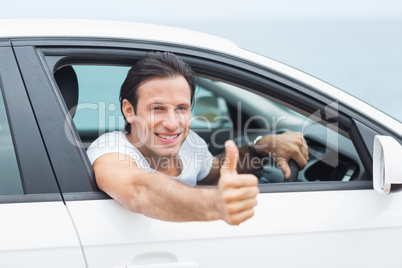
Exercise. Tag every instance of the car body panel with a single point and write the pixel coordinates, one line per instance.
(36, 229)
(38, 234)
(311, 224)
(311, 227)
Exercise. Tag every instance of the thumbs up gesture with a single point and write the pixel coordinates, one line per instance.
(236, 192)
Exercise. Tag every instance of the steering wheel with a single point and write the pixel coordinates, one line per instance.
(271, 173)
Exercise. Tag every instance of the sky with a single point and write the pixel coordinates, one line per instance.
(171, 10)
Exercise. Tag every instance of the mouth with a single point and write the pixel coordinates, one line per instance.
(168, 138)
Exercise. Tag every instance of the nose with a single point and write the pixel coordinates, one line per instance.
(171, 120)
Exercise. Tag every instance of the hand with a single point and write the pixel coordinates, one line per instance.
(283, 147)
(236, 193)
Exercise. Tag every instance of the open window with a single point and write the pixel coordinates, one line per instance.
(333, 157)
(221, 111)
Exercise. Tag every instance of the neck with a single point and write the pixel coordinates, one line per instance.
(169, 165)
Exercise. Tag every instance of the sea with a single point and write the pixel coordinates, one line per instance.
(362, 56)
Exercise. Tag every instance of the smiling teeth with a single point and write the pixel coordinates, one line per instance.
(168, 137)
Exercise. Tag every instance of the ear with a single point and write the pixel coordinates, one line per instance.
(128, 111)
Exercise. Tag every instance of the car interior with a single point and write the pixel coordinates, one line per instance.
(221, 110)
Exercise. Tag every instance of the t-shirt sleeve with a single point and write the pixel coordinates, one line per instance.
(105, 144)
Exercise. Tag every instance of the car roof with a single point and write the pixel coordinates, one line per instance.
(14, 28)
(20, 28)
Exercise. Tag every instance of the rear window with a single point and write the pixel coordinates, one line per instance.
(10, 179)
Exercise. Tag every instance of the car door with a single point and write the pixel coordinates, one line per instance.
(338, 220)
(36, 229)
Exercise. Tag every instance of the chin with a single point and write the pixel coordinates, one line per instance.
(168, 152)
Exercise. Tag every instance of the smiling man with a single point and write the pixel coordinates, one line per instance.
(155, 165)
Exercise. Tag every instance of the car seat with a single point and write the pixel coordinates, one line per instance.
(67, 82)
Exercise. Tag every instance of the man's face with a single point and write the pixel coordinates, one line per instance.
(163, 116)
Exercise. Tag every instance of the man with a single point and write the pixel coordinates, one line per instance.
(153, 167)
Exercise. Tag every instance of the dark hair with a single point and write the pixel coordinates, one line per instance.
(153, 65)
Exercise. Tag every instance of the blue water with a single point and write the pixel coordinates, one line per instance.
(360, 56)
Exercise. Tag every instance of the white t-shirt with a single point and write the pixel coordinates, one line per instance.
(194, 154)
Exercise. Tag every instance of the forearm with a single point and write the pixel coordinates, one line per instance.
(154, 195)
(161, 197)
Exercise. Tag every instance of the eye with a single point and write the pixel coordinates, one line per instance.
(157, 108)
(182, 109)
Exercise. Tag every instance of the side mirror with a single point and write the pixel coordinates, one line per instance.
(387, 163)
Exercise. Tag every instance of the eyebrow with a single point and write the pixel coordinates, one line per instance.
(163, 104)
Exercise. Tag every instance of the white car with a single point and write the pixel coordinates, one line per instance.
(59, 85)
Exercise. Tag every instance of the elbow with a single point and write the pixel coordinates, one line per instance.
(133, 206)
(128, 198)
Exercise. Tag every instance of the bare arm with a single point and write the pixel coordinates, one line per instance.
(161, 197)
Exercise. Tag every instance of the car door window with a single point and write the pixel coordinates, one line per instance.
(10, 179)
(224, 111)
(209, 110)
(98, 109)
(333, 157)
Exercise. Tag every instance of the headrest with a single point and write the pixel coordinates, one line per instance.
(68, 84)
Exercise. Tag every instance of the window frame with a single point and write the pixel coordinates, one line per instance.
(38, 181)
(59, 52)
(54, 122)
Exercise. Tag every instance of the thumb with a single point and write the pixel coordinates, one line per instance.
(231, 157)
(284, 166)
